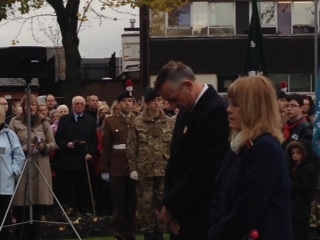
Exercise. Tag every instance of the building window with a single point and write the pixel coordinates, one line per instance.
(224, 81)
(302, 17)
(297, 82)
(222, 18)
(179, 21)
(284, 18)
(267, 12)
(200, 18)
(268, 17)
(300, 82)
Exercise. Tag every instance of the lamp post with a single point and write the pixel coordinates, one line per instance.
(144, 47)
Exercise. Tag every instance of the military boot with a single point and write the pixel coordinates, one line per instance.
(158, 236)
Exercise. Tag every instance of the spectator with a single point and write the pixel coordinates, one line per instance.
(51, 103)
(77, 140)
(41, 146)
(254, 183)
(282, 103)
(102, 188)
(43, 110)
(115, 109)
(297, 126)
(63, 110)
(92, 106)
(11, 163)
(303, 182)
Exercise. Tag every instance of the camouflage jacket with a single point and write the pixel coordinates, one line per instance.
(148, 144)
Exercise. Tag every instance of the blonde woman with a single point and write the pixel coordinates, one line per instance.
(254, 185)
(42, 144)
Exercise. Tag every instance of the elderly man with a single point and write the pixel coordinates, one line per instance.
(77, 140)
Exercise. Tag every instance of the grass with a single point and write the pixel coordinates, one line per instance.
(139, 237)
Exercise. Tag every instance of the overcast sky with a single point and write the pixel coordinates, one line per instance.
(97, 39)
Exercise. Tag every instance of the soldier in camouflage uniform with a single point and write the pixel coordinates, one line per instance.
(148, 153)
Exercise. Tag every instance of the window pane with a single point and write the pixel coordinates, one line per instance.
(277, 78)
(179, 17)
(267, 13)
(300, 82)
(284, 18)
(200, 18)
(303, 13)
(221, 18)
(221, 14)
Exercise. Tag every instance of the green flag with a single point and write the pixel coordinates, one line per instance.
(255, 62)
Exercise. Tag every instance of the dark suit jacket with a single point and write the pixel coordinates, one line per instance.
(196, 153)
(254, 193)
(70, 130)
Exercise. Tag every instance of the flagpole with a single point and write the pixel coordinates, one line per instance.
(316, 67)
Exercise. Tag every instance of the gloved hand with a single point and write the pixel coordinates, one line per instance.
(134, 175)
(105, 176)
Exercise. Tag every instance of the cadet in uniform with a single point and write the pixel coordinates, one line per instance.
(148, 153)
(114, 166)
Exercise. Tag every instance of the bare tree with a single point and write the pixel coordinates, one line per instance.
(70, 21)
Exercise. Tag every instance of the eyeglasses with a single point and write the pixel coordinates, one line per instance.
(292, 106)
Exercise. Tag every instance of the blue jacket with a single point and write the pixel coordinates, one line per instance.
(254, 193)
(9, 167)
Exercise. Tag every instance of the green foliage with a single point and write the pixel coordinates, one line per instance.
(24, 6)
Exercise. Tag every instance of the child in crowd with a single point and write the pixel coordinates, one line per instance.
(303, 180)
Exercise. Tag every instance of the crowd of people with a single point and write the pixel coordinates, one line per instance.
(182, 159)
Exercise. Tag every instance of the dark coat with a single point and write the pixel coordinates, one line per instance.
(304, 180)
(68, 131)
(197, 150)
(254, 193)
(303, 130)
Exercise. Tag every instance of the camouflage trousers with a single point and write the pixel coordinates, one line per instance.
(150, 194)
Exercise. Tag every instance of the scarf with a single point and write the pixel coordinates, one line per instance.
(288, 128)
(236, 142)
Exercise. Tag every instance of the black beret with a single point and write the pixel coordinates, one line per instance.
(281, 94)
(150, 95)
(124, 94)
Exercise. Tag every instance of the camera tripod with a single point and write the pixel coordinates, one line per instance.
(29, 178)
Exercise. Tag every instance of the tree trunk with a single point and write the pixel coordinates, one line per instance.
(72, 86)
(68, 22)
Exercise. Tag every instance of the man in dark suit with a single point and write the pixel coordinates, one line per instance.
(199, 142)
(77, 140)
